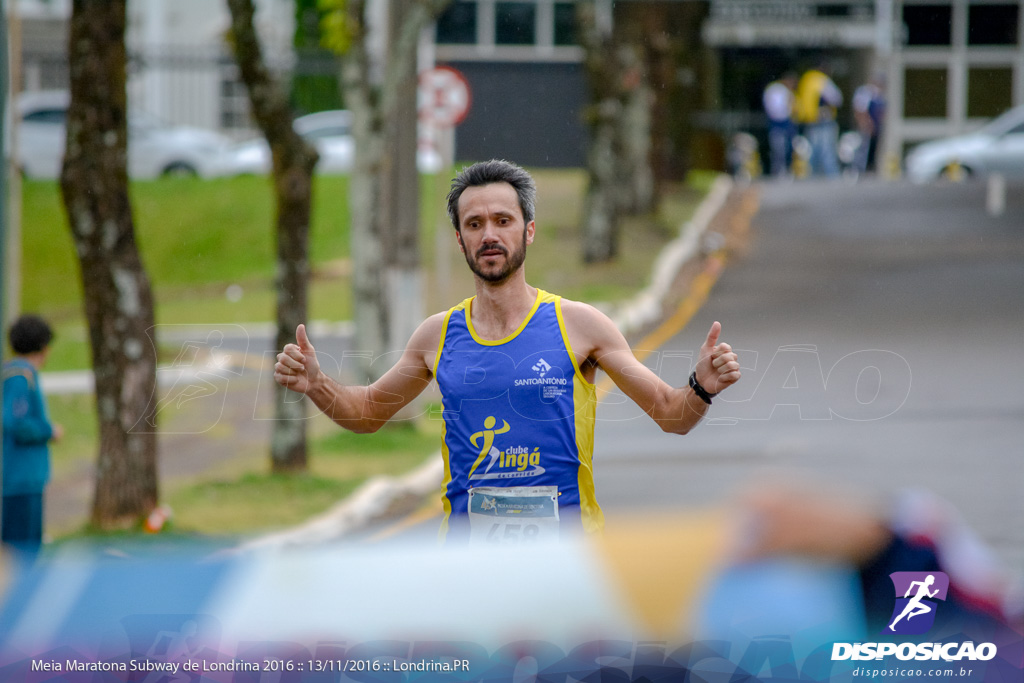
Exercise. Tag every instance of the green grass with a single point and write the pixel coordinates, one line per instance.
(197, 237)
(259, 500)
(242, 496)
(190, 232)
(255, 501)
(245, 497)
(77, 414)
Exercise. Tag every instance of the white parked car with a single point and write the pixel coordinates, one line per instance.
(154, 149)
(331, 133)
(998, 147)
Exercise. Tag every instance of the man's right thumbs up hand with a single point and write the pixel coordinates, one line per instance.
(297, 367)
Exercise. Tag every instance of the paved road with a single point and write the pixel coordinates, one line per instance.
(881, 331)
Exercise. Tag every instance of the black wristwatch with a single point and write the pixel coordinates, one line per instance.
(701, 392)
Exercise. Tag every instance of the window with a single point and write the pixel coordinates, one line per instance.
(989, 91)
(515, 23)
(927, 24)
(234, 101)
(992, 24)
(565, 23)
(832, 10)
(924, 93)
(457, 26)
(46, 116)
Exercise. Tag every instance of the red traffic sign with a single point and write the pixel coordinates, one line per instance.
(443, 96)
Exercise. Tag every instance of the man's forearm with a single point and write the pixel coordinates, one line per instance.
(682, 412)
(346, 405)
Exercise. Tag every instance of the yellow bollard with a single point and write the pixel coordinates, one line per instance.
(753, 165)
(801, 165)
(893, 169)
(954, 172)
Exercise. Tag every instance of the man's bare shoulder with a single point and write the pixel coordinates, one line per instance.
(422, 347)
(582, 316)
(428, 335)
(590, 331)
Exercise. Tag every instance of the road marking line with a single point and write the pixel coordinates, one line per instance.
(425, 513)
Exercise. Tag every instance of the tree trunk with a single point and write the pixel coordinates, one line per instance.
(620, 117)
(672, 52)
(639, 196)
(118, 299)
(603, 203)
(368, 288)
(293, 163)
(380, 91)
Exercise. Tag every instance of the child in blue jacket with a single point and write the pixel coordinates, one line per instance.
(27, 433)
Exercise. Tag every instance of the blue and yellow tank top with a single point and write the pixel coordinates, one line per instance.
(517, 413)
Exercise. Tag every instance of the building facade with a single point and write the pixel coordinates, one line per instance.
(950, 65)
(180, 69)
(525, 72)
(955, 64)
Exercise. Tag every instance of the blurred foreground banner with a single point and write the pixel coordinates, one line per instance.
(638, 605)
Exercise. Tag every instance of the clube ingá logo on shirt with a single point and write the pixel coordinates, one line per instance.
(509, 463)
(917, 599)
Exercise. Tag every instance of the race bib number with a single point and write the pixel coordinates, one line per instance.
(514, 514)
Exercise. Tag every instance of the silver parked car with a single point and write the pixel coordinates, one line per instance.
(154, 149)
(998, 147)
(331, 133)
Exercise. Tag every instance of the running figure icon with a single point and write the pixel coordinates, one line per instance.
(915, 607)
(488, 447)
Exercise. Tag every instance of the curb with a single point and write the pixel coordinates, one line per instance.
(378, 499)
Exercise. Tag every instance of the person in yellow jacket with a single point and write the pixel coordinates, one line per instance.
(817, 101)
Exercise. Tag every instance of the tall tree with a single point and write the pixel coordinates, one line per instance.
(619, 117)
(380, 89)
(673, 51)
(605, 196)
(636, 172)
(293, 163)
(118, 298)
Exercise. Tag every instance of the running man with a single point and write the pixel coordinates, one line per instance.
(915, 606)
(512, 356)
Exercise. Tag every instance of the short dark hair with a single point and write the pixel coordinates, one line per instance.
(29, 334)
(494, 171)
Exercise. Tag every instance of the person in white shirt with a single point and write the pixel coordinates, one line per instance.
(869, 110)
(778, 106)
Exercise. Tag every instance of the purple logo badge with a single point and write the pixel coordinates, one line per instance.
(917, 596)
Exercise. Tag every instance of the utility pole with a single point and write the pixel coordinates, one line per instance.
(3, 162)
(12, 187)
(4, 80)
